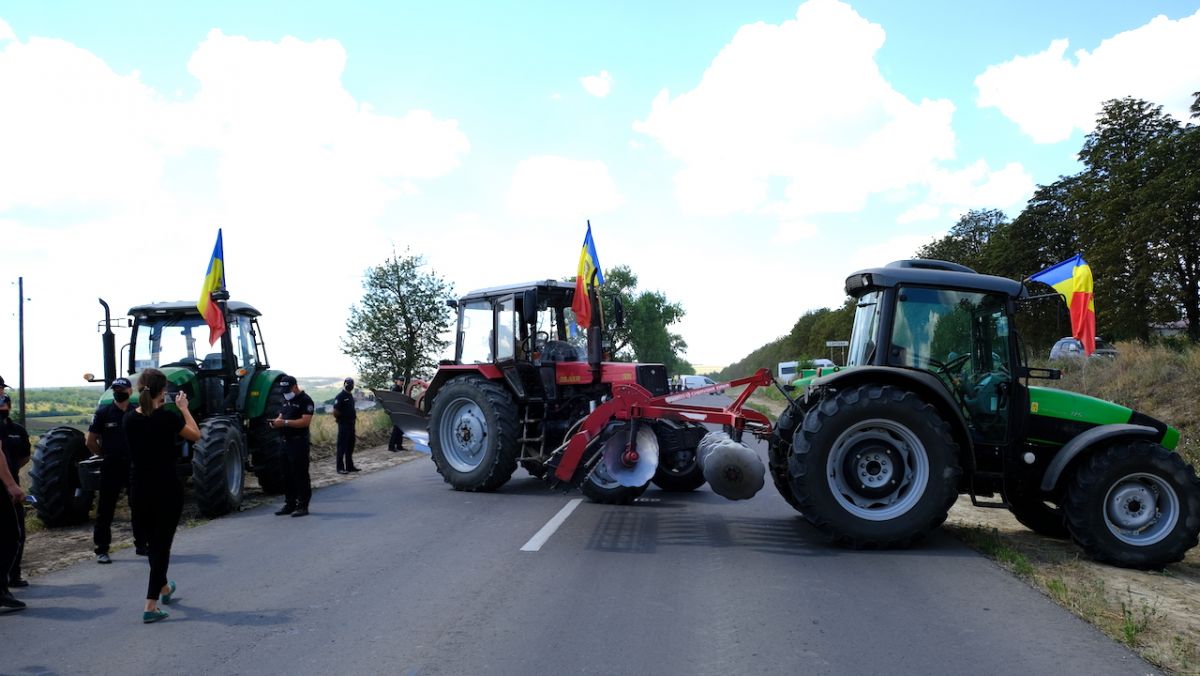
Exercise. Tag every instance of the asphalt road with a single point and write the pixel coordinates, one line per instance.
(395, 573)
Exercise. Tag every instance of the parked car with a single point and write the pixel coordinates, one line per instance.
(1071, 348)
(693, 382)
(823, 363)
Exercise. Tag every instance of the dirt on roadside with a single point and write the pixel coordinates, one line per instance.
(47, 549)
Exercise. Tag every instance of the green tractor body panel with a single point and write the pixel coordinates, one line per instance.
(260, 386)
(177, 376)
(809, 375)
(1058, 415)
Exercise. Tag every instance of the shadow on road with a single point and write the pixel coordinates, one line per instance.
(74, 591)
(231, 618)
(65, 614)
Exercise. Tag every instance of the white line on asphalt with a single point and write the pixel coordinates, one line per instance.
(535, 543)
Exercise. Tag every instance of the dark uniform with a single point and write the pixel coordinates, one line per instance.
(397, 438)
(15, 440)
(295, 451)
(114, 476)
(343, 405)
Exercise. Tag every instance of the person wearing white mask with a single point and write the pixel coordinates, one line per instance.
(293, 420)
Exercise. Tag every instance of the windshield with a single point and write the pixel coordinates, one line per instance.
(475, 333)
(172, 341)
(862, 337)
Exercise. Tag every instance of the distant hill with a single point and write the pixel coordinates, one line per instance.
(805, 341)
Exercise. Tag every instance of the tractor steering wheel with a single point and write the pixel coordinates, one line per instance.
(956, 363)
(534, 342)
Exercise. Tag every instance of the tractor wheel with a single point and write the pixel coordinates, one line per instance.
(1134, 505)
(874, 466)
(473, 434)
(1032, 511)
(679, 469)
(600, 487)
(778, 451)
(218, 466)
(55, 478)
(266, 447)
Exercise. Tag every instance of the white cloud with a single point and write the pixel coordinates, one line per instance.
(919, 212)
(792, 232)
(562, 189)
(6, 32)
(978, 186)
(597, 85)
(1049, 95)
(804, 103)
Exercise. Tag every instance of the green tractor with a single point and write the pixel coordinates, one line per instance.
(231, 392)
(933, 405)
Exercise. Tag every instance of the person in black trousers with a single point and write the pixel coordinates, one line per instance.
(344, 413)
(397, 437)
(156, 492)
(293, 420)
(15, 440)
(106, 438)
(10, 531)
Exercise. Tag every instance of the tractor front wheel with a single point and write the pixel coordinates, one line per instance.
(602, 488)
(874, 466)
(473, 434)
(218, 466)
(55, 478)
(266, 446)
(1134, 505)
(679, 469)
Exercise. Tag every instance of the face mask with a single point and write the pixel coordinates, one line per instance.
(120, 396)
(287, 396)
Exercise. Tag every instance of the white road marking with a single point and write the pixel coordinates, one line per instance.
(535, 543)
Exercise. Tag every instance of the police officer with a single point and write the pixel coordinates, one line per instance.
(15, 442)
(106, 438)
(344, 413)
(293, 421)
(397, 438)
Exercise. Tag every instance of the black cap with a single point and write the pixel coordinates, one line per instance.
(286, 382)
(398, 376)
(348, 381)
(122, 383)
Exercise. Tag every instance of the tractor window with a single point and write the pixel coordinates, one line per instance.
(243, 343)
(475, 333)
(507, 326)
(166, 341)
(862, 337)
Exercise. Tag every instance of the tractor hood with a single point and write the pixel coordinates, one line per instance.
(1057, 416)
(807, 376)
(178, 378)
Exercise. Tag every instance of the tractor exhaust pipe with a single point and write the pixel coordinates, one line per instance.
(732, 469)
(109, 347)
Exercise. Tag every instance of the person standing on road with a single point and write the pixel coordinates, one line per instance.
(10, 531)
(156, 492)
(344, 413)
(17, 449)
(397, 438)
(294, 419)
(106, 438)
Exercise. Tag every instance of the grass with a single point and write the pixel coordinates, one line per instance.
(988, 541)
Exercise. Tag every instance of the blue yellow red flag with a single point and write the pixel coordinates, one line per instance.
(213, 279)
(1072, 279)
(587, 273)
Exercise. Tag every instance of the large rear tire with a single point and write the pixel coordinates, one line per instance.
(218, 466)
(779, 450)
(874, 467)
(473, 434)
(55, 478)
(1134, 505)
(266, 447)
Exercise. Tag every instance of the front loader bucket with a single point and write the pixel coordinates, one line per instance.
(404, 414)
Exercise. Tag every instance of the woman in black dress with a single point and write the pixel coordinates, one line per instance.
(156, 493)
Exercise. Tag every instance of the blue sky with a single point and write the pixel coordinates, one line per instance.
(743, 158)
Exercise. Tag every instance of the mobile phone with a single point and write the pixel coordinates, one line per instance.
(29, 499)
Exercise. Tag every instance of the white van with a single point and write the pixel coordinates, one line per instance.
(787, 371)
(694, 382)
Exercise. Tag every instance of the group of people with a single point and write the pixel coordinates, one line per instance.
(138, 445)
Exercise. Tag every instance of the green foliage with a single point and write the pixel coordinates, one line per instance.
(59, 401)
(398, 325)
(804, 342)
(645, 336)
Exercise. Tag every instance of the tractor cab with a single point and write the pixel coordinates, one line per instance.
(175, 336)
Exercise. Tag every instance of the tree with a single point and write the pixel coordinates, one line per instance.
(399, 324)
(967, 242)
(1196, 105)
(645, 335)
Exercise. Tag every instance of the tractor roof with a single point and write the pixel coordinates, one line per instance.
(938, 274)
(188, 307)
(550, 287)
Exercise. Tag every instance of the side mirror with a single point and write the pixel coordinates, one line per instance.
(618, 312)
(450, 302)
(529, 304)
(1040, 374)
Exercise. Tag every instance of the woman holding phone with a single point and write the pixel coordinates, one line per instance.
(156, 493)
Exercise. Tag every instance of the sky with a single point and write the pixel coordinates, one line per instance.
(742, 158)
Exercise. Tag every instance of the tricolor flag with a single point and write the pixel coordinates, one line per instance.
(589, 263)
(214, 279)
(1073, 279)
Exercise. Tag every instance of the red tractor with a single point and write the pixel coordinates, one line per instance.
(518, 392)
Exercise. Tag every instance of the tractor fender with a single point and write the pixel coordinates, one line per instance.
(448, 371)
(1086, 441)
(923, 383)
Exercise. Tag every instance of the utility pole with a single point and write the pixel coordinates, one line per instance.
(21, 349)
